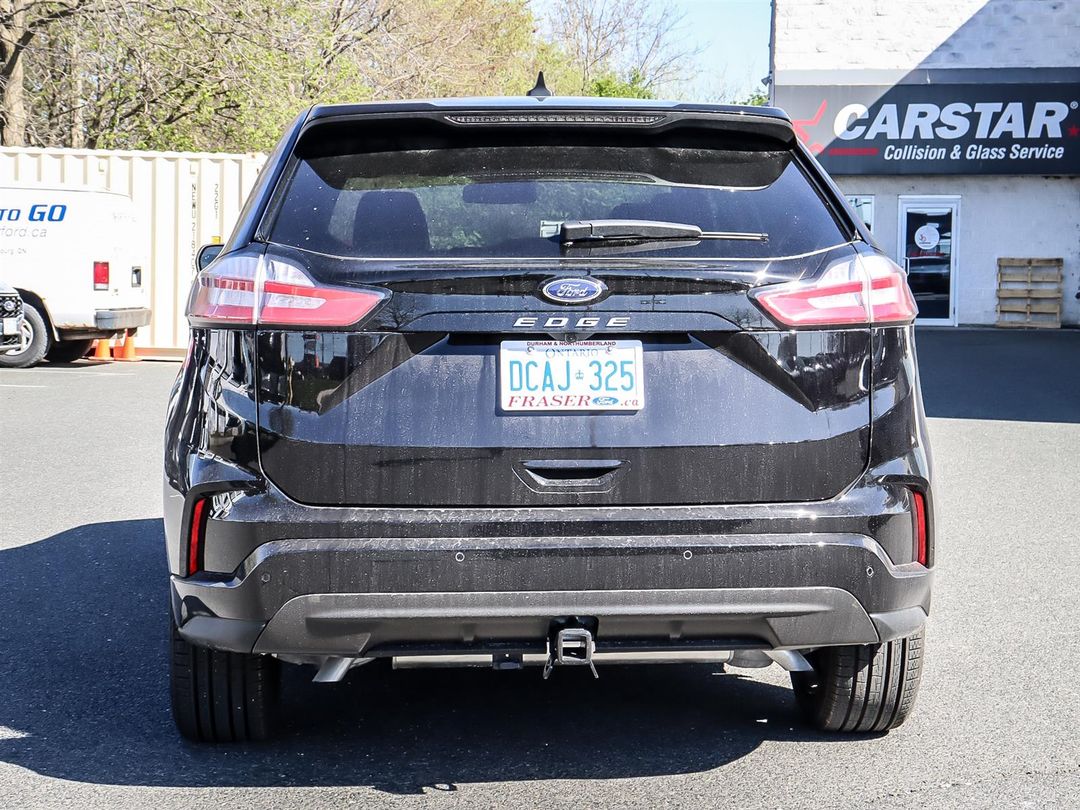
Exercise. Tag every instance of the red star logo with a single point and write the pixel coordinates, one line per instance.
(801, 127)
(1074, 131)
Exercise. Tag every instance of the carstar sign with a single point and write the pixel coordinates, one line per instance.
(939, 128)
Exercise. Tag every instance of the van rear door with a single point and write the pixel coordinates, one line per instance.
(115, 243)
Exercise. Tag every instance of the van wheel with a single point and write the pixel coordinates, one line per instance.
(36, 341)
(222, 696)
(861, 688)
(68, 351)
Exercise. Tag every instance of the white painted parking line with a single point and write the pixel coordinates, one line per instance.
(69, 372)
(16, 385)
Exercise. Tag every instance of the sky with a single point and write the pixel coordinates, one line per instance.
(733, 38)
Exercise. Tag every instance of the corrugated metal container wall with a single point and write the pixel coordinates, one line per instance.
(184, 200)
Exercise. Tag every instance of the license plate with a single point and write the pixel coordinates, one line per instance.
(593, 375)
(11, 326)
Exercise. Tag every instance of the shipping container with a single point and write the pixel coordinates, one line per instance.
(182, 200)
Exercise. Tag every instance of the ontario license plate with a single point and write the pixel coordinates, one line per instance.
(10, 326)
(593, 375)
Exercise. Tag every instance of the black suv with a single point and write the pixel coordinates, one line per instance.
(547, 381)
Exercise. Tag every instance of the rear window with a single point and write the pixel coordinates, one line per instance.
(508, 201)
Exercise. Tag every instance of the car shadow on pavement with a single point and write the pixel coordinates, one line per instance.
(84, 697)
(1025, 376)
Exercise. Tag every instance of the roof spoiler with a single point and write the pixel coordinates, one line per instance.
(415, 120)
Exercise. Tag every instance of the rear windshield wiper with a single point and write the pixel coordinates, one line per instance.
(614, 247)
(639, 231)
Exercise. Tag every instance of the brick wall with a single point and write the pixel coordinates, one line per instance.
(905, 34)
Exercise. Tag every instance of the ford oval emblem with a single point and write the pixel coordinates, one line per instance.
(605, 401)
(573, 290)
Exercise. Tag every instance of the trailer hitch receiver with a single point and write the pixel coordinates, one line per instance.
(570, 646)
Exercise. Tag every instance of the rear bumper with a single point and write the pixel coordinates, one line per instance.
(117, 319)
(380, 597)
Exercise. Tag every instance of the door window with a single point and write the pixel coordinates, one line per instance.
(864, 208)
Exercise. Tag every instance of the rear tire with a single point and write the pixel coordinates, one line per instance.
(68, 351)
(861, 689)
(220, 696)
(38, 341)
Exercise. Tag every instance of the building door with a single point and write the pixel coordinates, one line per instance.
(927, 251)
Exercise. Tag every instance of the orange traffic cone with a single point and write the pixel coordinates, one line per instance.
(102, 350)
(127, 350)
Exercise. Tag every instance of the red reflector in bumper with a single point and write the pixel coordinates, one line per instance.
(195, 537)
(918, 500)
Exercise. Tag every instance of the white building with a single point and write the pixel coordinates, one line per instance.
(953, 125)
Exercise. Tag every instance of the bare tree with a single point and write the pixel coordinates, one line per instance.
(189, 73)
(621, 37)
(22, 22)
(229, 74)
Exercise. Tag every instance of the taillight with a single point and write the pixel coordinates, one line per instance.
(101, 275)
(855, 291)
(259, 290)
(195, 536)
(918, 501)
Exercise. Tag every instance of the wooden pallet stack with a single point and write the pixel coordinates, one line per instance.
(1029, 292)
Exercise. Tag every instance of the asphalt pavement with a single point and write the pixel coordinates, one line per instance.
(84, 718)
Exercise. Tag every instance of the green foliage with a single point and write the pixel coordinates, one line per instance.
(612, 86)
(759, 98)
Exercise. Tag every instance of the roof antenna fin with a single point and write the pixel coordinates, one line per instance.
(541, 89)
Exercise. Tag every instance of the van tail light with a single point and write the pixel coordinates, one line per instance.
(922, 551)
(196, 533)
(257, 290)
(101, 275)
(856, 291)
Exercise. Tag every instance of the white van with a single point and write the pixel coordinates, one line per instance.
(70, 252)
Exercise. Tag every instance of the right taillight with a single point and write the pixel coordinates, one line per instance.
(244, 289)
(918, 514)
(855, 291)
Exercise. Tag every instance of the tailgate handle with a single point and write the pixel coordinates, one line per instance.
(563, 474)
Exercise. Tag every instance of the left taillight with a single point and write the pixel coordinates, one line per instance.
(860, 290)
(101, 275)
(257, 290)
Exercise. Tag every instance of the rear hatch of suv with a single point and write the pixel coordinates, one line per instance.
(444, 368)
